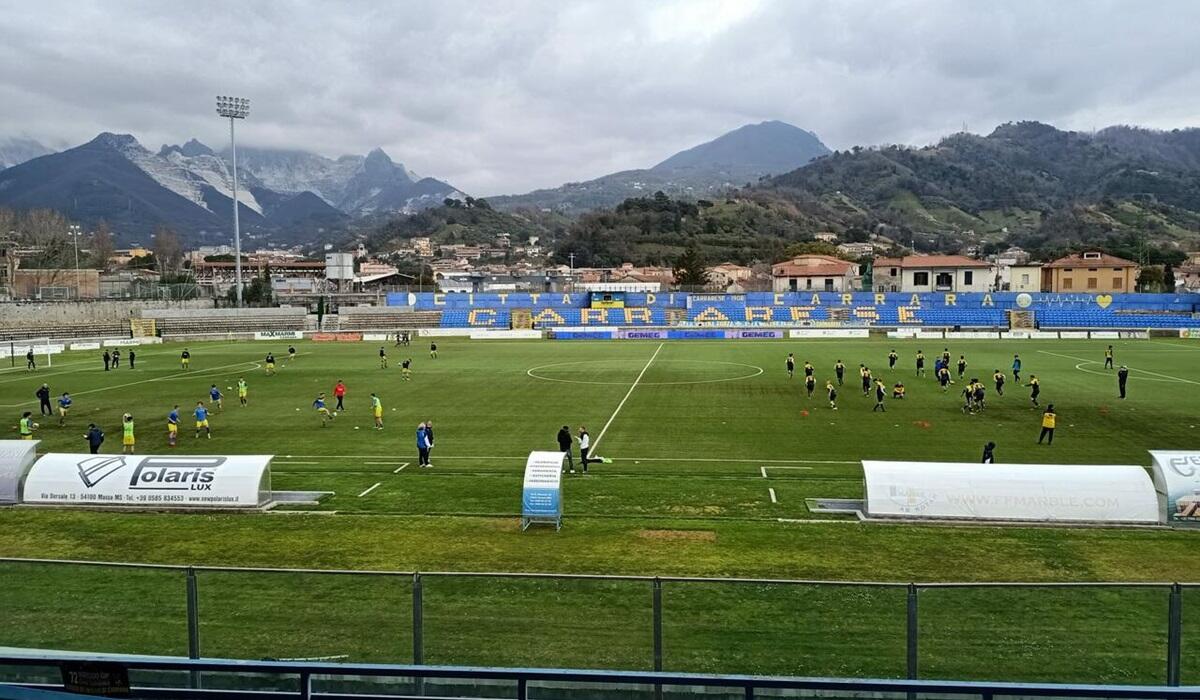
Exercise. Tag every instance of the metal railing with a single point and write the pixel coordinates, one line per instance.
(930, 618)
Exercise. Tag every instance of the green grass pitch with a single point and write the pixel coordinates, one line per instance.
(714, 451)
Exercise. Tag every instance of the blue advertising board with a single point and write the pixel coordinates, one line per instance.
(541, 492)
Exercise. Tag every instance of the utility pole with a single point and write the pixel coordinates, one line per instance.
(235, 108)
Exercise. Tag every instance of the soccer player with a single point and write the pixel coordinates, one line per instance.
(1035, 388)
(382, 358)
(1049, 418)
(1016, 368)
(968, 394)
(132, 358)
(43, 397)
(831, 391)
(892, 357)
(173, 426)
(107, 360)
(980, 393)
(865, 376)
(433, 355)
(30, 364)
(989, 453)
(406, 369)
(810, 383)
(791, 365)
(998, 377)
(127, 439)
(319, 405)
(270, 360)
(339, 393)
(116, 359)
(26, 426)
(840, 370)
(898, 390)
(185, 359)
(943, 377)
(243, 390)
(1108, 357)
(201, 414)
(808, 369)
(1122, 377)
(920, 364)
(64, 405)
(585, 444)
(215, 395)
(962, 366)
(94, 437)
(946, 356)
(880, 393)
(291, 353)
(377, 411)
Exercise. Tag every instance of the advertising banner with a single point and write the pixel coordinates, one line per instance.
(753, 334)
(16, 456)
(576, 334)
(975, 334)
(541, 492)
(278, 335)
(376, 336)
(696, 334)
(121, 342)
(1072, 335)
(85, 346)
(1105, 335)
(337, 337)
(646, 334)
(1138, 335)
(830, 333)
(1026, 492)
(176, 481)
(1177, 481)
(515, 334)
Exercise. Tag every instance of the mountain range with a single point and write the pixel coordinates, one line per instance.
(732, 160)
(14, 151)
(290, 194)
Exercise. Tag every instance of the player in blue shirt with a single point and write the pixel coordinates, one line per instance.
(319, 405)
(202, 420)
(1016, 368)
(215, 394)
(64, 405)
(173, 426)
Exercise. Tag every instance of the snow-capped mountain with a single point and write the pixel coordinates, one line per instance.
(357, 185)
(14, 151)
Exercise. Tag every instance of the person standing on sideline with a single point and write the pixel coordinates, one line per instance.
(339, 393)
(64, 405)
(1108, 357)
(107, 360)
(564, 445)
(1049, 418)
(94, 437)
(428, 442)
(433, 351)
(43, 396)
(132, 358)
(127, 439)
(585, 444)
(1016, 368)
(116, 359)
(989, 453)
(422, 447)
(791, 365)
(1122, 377)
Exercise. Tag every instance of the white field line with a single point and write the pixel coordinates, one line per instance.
(400, 468)
(523, 458)
(1131, 368)
(764, 471)
(596, 444)
(815, 521)
(773, 498)
(85, 365)
(1181, 346)
(290, 462)
(177, 375)
(377, 484)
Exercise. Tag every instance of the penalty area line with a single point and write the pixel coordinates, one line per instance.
(595, 445)
(1132, 368)
(377, 484)
(773, 498)
(400, 468)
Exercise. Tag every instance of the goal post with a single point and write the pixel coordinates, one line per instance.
(43, 349)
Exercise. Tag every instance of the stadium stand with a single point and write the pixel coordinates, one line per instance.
(66, 331)
(383, 318)
(207, 321)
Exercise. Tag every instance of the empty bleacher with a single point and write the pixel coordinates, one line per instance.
(66, 331)
(171, 322)
(383, 318)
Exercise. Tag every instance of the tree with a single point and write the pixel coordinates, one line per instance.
(1168, 278)
(101, 247)
(811, 248)
(1150, 279)
(689, 268)
(168, 249)
(257, 293)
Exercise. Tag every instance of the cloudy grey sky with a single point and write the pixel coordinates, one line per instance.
(498, 97)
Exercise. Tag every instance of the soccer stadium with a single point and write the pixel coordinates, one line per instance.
(727, 523)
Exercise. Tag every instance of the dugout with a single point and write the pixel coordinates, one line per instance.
(1043, 493)
(16, 457)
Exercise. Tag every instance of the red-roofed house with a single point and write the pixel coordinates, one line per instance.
(1091, 273)
(934, 273)
(817, 273)
(885, 274)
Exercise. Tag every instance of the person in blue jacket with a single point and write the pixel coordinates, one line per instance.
(1016, 368)
(422, 447)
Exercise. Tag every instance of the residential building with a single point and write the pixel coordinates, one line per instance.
(936, 273)
(1091, 272)
(885, 274)
(818, 273)
(1021, 278)
(1187, 275)
(856, 250)
(728, 275)
(827, 236)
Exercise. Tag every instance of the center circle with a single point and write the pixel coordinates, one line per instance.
(541, 371)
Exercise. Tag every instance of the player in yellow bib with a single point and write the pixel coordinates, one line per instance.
(27, 426)
(243, 390)
(377, 411)
(127, 438)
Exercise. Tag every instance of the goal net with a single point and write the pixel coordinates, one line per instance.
(43, 349)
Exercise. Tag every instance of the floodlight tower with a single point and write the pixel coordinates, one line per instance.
(235, 108)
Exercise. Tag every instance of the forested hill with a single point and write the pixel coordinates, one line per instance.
(1025, 183)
